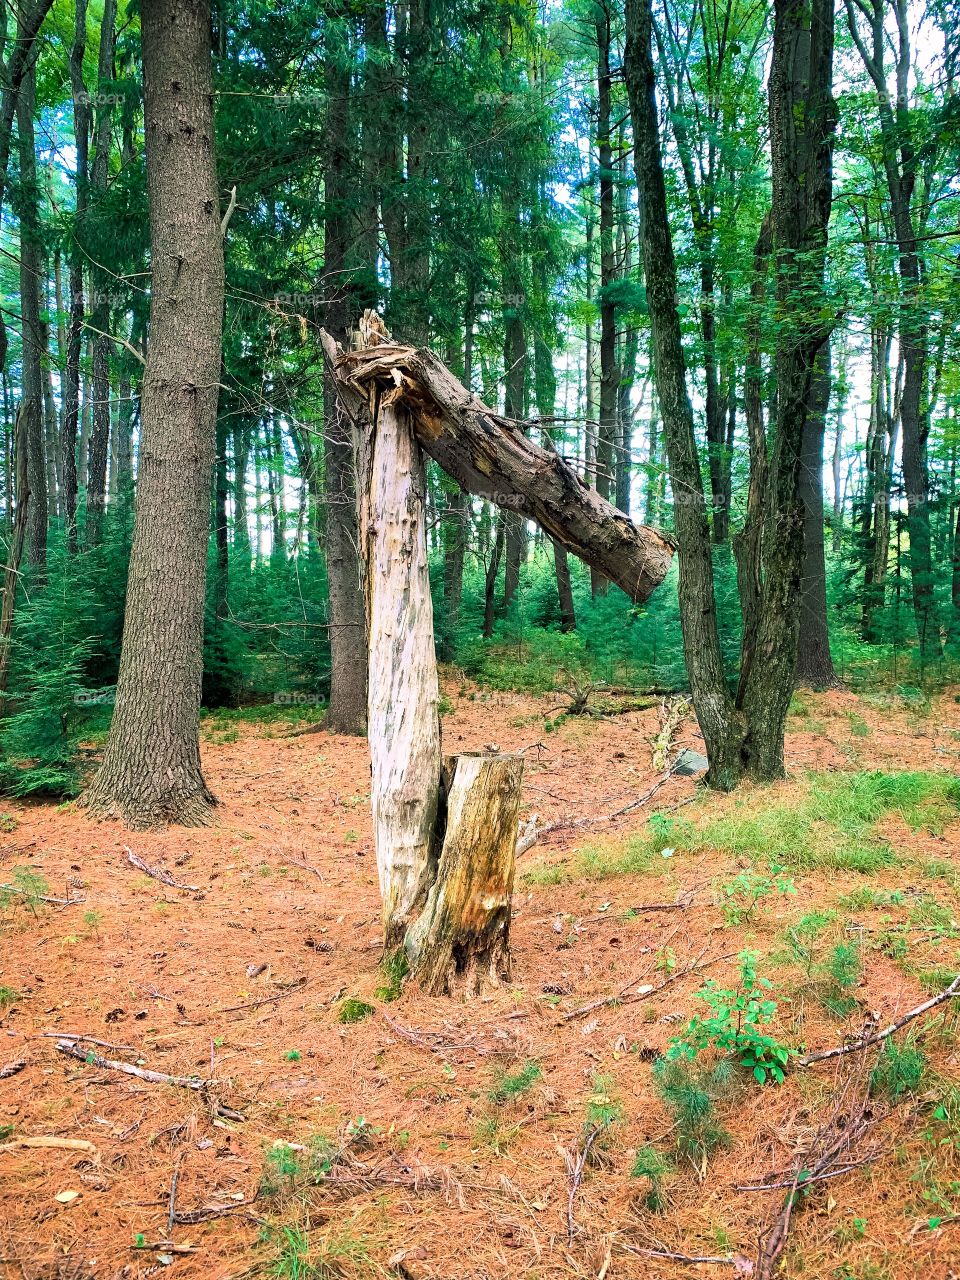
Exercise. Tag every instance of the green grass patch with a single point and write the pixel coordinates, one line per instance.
(353, 1010)
(511, 1086)
(828, 822)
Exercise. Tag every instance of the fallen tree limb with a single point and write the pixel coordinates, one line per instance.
(72, 1049)
(489, 455)
(856, 1045)
(625, 996)
(58, 1144)
(298, 985)
(157, 873)
(575, 1167)
(530, 832)
(39, 897)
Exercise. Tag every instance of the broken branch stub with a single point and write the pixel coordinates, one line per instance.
(489, 456)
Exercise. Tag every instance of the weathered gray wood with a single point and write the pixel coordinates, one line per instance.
(489, 456)
(463, 933)
(403, 723)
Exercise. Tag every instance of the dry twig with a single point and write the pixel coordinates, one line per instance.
(856, 1045)
(157, 873)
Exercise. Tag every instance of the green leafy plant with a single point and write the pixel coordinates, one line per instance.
(745, 891)
(394, 969)
(27, 888)
(733, 1025)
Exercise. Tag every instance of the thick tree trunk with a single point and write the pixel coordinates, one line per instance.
(491, 459)
(102, 282)
(151, 769)
(31, 266)
(402, 710)
(347, 712)
(802, 122)
(723, 728)
(463, 933)
(814, 663)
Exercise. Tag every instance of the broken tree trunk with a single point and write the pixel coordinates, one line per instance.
(488, 455)
(463, 933)
(403, 721)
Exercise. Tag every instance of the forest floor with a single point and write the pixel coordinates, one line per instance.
(435, 1137)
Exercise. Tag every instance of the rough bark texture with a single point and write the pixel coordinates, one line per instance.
(348, 653)
(463, 933)
(489, 457)
(151, 768)
(814, 662)
(31, 265)
(102, 282)
(403, 724)
(724, 730)
(11, 574)
(802, 123)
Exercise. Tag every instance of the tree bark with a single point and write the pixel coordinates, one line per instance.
(814, 662)
(100, 310)
(724, 728)
(463, 932)
(31, 268)
(609, 373)
(11, 575)
(347, 712)
(151, 769)
(490, 458)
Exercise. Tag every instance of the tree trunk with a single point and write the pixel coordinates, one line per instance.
(31, 266)
(11, 575)
(100, 310)
(723, 728)
(463, 933)
(402, 710)
(490, 458)
(454, 551)
(347, 712)
(609, 373)
(814, 663)
(151, 768)
(490, 580)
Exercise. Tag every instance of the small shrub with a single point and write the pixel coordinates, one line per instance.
(650, 1164)
(900, 1070)
(690, 1095)
(509, 1087)
(745, 891)
(733, 1025)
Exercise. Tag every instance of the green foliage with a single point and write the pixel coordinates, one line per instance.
(511, 1086)
(354, 1010)
(650, 1164)
(27, 889)
(8, 997)
(290, 1168)
(745, 891)
(900, 1070)
(394, 969)
(733, 1025)
(690, 1093)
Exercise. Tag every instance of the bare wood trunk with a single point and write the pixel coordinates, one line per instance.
(463, 934)
(403, 691)
(490, 458)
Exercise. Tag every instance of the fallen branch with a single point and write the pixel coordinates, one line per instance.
(625, 996)
(530, 833)
(576, 1168)
(72, 1049)
(39, 897)
(101, 1044)
(12, 1069)
(856, 1045)
(279, 995)
(829, 1149)
(157, 873)
(691, 1259)
(58, 1144)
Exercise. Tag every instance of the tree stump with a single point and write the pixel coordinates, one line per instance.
(463, 933)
